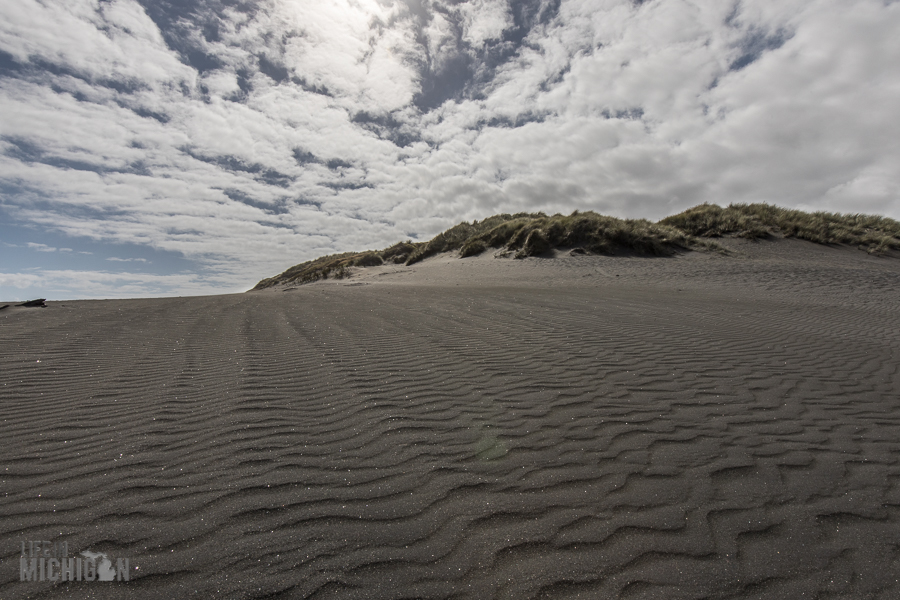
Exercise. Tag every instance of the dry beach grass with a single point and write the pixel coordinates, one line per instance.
(697, 425)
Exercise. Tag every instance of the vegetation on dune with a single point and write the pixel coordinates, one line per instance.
(536, 233)
(533, 234)
(710, 220)
(459, 235)
(523, 234)
(871, 233)
(335, 265)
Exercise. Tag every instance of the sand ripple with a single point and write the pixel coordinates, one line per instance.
(435, 442)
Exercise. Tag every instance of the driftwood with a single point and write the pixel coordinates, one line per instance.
(33, 303)
(4, 306)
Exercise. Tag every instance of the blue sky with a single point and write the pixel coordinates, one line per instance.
(162, 147)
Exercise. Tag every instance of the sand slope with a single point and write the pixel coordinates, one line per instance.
(582, 427)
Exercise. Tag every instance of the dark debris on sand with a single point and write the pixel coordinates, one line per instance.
(39, 303)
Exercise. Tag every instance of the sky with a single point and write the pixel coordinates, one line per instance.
(184, 147)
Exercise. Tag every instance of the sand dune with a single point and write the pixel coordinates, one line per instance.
(701, 426)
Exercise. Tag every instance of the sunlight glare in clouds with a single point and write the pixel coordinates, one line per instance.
(346, 47)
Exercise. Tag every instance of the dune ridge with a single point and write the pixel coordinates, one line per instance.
(534, 234)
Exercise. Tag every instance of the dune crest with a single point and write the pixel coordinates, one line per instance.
(534, 234)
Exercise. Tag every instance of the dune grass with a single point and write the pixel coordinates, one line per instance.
(521, 234)
(871, 233)
(533, 234)
(335, 265)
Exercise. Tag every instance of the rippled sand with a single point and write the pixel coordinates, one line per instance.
(579, 427)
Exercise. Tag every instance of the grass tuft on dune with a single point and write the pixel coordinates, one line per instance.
(868, 232)
(532, 234)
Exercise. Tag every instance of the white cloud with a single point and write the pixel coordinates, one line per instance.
(19, 280)
(484, 20)
(40, 247)
(69, 284)
(105, 40)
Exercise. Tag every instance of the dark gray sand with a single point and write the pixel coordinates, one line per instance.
(579, 427)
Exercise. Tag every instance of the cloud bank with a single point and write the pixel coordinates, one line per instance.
(247, 136)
